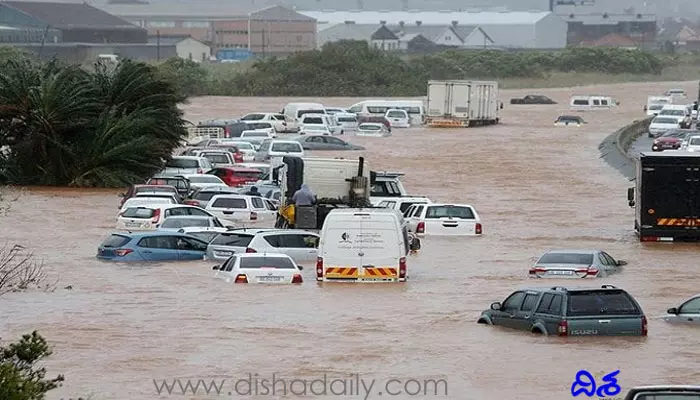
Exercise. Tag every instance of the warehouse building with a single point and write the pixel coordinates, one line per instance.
(515, 30)
(66, 22)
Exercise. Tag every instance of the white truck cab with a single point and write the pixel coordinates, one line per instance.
(386, 186)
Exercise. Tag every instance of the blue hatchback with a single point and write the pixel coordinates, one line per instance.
(151, 246)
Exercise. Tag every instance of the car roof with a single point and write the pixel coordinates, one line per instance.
(569, 288)
(239, 169)
(249, 231)
(187, 176)
(189, 157)
(203, 229)
(263, 255)
(138, 235)
(189, 217)
(140, 185)
(451, 204)
(167, 206)
(285, 141)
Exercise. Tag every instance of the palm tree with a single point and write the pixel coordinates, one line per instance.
(64, 125)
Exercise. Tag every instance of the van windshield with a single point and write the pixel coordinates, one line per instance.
(302, 112)
(286, 147)
(601, 302)
(313, 120)
(679, 113)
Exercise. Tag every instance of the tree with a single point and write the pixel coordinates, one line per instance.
(63, 125)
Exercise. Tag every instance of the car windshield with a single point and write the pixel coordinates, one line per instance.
(266, 262)
(674, 134)
(206, 196)
(286, 147)
(256, 134)
(244, 146)
(664, 121)
(449, 212)
(347, 119)
(569, 119)
(368, 127)
(322, 128)
(203, 178)
(161, 189)
(230, 203)
(566, 258)
(260, 125)
(655, 107)
(601, 302)
(185, 222)
(205, 236)
(116, 241)
(672, 112)
(396, 114)
(139, 212)
(182, 163)
(313, 120)
(232, 239)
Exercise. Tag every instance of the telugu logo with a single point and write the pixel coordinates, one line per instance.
(585, 384)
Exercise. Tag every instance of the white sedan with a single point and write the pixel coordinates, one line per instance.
(259, 268)
(145, 201)
(372, 129)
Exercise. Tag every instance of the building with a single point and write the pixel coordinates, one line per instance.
(518, 30)
(68, 22)
(87, 53)
(679, 35)
(615, 40)
(408, 37)
(185, 46)
(273, 30)
(591, 20)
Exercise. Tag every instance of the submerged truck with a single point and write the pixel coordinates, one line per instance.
(459, 103)
(666, 197)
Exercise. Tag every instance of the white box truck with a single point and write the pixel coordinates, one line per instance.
(457, 103)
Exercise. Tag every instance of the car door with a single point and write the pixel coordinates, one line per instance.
(689, 312)
(158, 248)
(335, 143)
(190, 248)
(506, 315)
(197, 212)
(301, 247)
(523, 316)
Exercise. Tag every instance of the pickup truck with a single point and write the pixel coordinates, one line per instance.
(218, 158)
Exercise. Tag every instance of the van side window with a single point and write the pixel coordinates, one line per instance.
(604, 102)
(419, 211)
(596, 102)
(581, 102)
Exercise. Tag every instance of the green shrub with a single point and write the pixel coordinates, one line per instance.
(352, 68)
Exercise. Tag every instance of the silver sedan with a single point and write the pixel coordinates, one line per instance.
(687, 313)
(575, 264)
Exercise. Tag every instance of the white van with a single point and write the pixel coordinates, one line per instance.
(296, 110)
(363, 245)
(681, 112)
(378, 108)
(592, 102)
(315, 119)
(656, 103)
(241, 210)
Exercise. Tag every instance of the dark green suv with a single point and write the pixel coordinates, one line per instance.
(604, 311)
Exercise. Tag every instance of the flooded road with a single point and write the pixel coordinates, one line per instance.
(535, 186)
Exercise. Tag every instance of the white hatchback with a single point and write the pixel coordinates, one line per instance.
(398, 118)
(146, 201)
(301, 245)
(259, 268)
(443, 220)
(150, 218)
(241, 210)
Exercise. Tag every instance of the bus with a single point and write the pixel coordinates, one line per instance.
(378, 108)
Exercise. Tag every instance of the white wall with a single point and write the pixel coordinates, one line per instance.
(511, 36)
(550, 32)
(476, 39)
(449, 38)
(194, 49)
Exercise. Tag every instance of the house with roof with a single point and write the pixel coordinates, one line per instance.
(185, 46)
(68, 22)
(517, 30)
(681, 35)
(453, 35)
(378, 36)
(221, 24)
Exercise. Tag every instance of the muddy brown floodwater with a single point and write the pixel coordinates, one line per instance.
(536, 187)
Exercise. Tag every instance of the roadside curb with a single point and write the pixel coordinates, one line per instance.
(625, 136)
(614, 149)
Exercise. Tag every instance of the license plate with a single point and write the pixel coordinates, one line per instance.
(269, 278)
(132, 224)
(224, 253)
(560, 272)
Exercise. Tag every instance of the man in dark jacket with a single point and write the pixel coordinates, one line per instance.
(253, 192)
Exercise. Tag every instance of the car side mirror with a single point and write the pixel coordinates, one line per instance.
(496, 306)
(672, 310)
(631, 203)
(621, 262)
(300, 267)
(630, 194)
(215, 267)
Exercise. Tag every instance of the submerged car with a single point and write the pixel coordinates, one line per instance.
(324, 142)
(151, 246)
(575, 264)
(259, 268)
(372, 129)
(533, 99)
(566, 120)
(687, 313)
(670, 140)
(660, 124)
(603, 311)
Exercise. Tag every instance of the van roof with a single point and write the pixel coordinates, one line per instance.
(370, 211)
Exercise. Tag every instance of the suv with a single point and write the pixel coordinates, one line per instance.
(300, 245)
(278, 148)
(183, 165)
(604, 311)
(200, 197)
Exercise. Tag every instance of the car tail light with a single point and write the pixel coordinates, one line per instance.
(192, 203)
(645, 326)
(477, 229)
(563, 328)
(421, 227)
(534, 271)
(649, 239)
(297, 279)
(402, 267)
(156, 215)
(319, 268)
(241, 278)
(122, 252)
(253, 216)
(250, 250)
(592, 271)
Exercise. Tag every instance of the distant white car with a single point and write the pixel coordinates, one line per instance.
(281, 122)
(180, 165)
(145, 201)
(315, 129)
(244, 147)
(259, 268)
(398, 118)
(278, 148)
(178, 222)
(348, 121)
(261, 126)
(443, 220)
(372, 129)
(257, 134)
(299, 244)
(660, 124)
(198, 181)
(693, 144)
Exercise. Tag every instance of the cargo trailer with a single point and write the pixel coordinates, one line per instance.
(458, 103)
